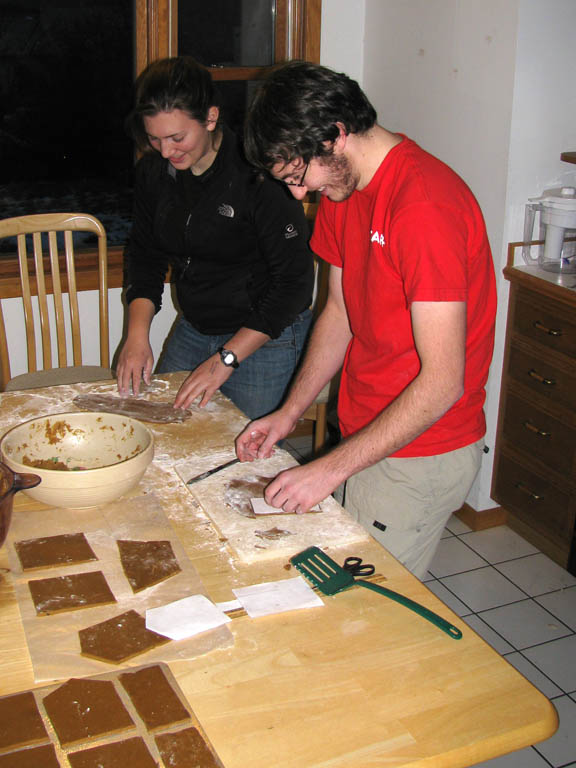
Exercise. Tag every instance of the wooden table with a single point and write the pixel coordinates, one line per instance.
(360, 682)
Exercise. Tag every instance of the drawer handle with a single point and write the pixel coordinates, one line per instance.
(532, 428)
(541, 379)
(550, 331)
(530, 493)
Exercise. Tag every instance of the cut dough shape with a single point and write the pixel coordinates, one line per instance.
(67, 549)
(119, 638)
(20, 722)
(154, 698)
(37, 757)
(161, 413)
(131, 753)
(70, 593)
(185, 749)
(146, 563)
(82, 709)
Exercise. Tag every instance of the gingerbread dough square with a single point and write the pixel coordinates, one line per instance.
(50, 551)
(119, 639)
(82, 709)
(154, 698)
(70, 593)
(131, 753)
(185, 749)
(146, 563)
(37, 757)
(20, 722)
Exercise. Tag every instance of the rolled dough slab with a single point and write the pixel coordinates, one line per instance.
(254, 539)
(145, 410)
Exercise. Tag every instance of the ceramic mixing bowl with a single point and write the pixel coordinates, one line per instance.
(83, 459)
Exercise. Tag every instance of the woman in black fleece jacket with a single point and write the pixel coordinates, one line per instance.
(236, 242)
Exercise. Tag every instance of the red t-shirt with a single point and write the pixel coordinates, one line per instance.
(415, 233)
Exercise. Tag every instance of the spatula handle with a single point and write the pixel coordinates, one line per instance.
(441, 623)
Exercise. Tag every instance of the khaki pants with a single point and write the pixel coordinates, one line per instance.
(406, 503)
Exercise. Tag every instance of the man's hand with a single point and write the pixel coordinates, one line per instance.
(300, 488)
(203, 382)
(257, 441)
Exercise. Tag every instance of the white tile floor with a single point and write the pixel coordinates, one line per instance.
(524, 605)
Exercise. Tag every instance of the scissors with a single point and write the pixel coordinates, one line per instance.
(356, 568)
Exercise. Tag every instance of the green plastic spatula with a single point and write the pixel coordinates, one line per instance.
(330, 578)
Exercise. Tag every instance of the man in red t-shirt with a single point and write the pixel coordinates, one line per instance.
(409, 316)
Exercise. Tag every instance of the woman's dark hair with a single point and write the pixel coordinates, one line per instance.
(297, 109)
(168, 84)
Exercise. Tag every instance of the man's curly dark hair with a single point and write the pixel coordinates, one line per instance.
(297, 109)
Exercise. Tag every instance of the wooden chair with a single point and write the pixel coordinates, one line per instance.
(53, 274)
(317, 413)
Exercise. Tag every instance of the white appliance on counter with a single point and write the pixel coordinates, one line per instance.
(557, 209)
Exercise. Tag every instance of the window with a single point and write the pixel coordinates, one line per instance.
(65, 86)
(66, 74)
(238, 39)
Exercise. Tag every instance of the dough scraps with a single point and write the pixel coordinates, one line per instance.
(146, 563)
(81, 709)
(20, 722)
(131, 753)
(154, 698)
(145, 410)
(69, 593)
(37, 757)
(185, 749)
(67, 549)
(119, 638)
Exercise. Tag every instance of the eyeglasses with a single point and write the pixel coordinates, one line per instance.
(301, 182)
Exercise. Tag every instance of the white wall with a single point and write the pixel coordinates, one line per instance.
(487, 86)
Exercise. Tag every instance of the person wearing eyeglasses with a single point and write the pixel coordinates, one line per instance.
(409, 317)
(237, 243)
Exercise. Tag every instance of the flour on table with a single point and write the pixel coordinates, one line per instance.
(225, 497)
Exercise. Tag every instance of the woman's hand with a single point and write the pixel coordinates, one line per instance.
(134, 365)
(203, 382)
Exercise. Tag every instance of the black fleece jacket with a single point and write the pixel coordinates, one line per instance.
(237, 244)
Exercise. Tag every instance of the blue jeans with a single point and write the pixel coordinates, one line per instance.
(259, 385)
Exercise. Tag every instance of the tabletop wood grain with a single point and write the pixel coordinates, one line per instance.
(360, 682)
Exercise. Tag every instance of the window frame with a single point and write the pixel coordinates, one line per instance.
(297, 35)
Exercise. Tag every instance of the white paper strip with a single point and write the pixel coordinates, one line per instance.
(185, 618)
(277, 596)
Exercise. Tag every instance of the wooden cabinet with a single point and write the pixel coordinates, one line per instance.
(535, 462)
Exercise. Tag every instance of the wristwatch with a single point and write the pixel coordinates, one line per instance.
(228, 358)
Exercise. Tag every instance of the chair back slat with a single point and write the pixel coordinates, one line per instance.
(57, 300)
(27, 303)
(73, 299)
(42, 301)
(103, 303)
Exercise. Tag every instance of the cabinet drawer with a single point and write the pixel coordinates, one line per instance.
(535, 501)
(545, 378)
(549, 440)
(543, 324)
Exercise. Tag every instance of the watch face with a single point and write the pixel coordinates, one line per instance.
(228, 358)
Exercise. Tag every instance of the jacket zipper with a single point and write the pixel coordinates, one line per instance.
(189, 257)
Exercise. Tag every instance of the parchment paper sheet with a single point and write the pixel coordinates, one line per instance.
(53, 640)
